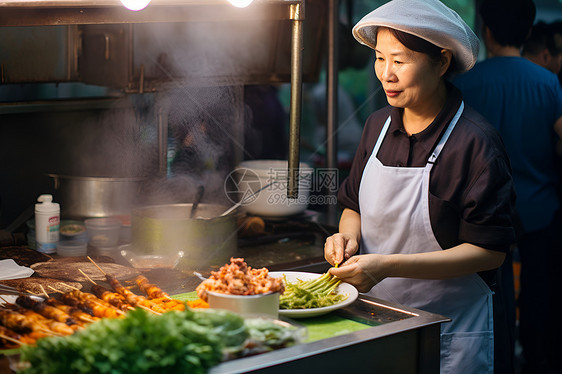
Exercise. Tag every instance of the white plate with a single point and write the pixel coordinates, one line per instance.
(294, 276)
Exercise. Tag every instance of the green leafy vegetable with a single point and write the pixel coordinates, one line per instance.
(314, 293)
(190, 341)
(274, 334)
(174, 342)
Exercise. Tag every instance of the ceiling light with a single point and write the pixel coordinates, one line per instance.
(240, 3)
(135, 4)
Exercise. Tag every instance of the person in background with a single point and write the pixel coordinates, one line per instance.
(544, 46)
(524, 102)
(429, 201)
(265, 123)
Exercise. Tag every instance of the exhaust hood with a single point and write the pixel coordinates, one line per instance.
(178, 42)
(205, 43)
(71, 12)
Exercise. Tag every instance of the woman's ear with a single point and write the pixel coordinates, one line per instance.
(446, 58)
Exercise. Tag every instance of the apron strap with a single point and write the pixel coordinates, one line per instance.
(445, 136)
(381, 136)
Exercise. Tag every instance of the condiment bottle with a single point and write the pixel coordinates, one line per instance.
(47, 224)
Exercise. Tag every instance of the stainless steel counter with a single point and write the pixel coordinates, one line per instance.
(394, 339)
(401, 340)
(398, 340)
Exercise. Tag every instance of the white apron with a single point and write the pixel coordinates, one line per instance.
(394, 205)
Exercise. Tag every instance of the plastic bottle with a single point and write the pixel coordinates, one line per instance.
(47, 224)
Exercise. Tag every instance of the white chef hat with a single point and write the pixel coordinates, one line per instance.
(430, 20)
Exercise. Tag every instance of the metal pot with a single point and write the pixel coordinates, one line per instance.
(82, 197)
(207, 240)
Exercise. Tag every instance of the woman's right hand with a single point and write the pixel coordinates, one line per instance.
(339, 247)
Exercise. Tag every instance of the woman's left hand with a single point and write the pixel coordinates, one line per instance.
(363, 271)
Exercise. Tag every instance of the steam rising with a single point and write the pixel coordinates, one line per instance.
(200, 65)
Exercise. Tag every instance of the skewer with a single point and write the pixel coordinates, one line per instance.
(7, 338)
(43, 330)
(48, 332)
(138, 305)
(87, 277)
(54, 289)
(100, 302)
(151, 290)
(93, 262)
(83, 318)
(71, 287)
(113, 298)
(44, 292)
(148, 309)
(13, 291)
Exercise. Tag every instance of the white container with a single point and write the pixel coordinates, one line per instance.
(272, 201)
(70, 248)
(125, 234)
(103, 232)
(109, 251)
(47, 224)
(267, 303)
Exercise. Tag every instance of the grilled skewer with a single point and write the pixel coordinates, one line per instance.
(45, 310)
(157, 296)
(72, 311)
(15, 321)
(131, 297)
(151, 290)
(90, 304)
(9, 338)
(113, 298)
(42, 325)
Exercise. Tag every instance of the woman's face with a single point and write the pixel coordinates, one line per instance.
(410, 79)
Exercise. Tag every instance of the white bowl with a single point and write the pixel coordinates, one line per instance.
(149, 262)
(272, 201)
(265, 304)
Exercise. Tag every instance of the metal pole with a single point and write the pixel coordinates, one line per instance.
(162, 123)
(332, 100)
(297, 16)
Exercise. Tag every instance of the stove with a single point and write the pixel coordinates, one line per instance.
(291, 243)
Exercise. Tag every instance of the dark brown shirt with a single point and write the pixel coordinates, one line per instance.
(471, 194)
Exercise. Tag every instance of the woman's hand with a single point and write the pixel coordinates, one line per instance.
(340, 247)
(363, 271)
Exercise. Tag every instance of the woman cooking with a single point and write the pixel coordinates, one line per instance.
(429, 201)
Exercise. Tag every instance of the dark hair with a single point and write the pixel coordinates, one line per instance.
(542, 36)
(417, 44)
(509, 21)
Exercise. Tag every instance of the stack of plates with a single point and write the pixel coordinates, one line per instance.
(109, 251)
(68, 248)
